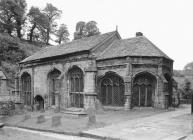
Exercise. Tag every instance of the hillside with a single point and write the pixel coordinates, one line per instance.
(12, 51)
(181, 75)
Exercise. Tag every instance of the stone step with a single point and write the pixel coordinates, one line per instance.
(1, 125)
(74, 111)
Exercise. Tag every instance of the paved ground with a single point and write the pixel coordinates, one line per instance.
(74, 124)
(9, 133)
(165, 126)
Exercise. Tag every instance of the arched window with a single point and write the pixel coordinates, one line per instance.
(75, 76)
(26, 88)
(53, 85)
(143, 90)
(112, 90)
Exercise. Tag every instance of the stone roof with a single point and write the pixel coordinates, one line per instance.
(79, 45)
(137, 46)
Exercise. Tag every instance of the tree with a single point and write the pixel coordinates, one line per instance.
(79, 33)
(86, 29)
(37, 19)
(91, 29)
(187, 91)
(18, 10)
(188, 69)
(189, 66)
(6, 16)
(62, 34)
(12, 15)
(52, 13)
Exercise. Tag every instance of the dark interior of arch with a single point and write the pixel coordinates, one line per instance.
(76, 81)
(144, 86)
(26, 88)
(112, 90)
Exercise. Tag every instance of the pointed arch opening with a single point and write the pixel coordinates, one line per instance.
(76, 87)
(39, 101)
(26, 88)
(144, 85)
(112, 90)
(53, 86)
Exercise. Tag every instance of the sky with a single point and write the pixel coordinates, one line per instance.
(167, 23)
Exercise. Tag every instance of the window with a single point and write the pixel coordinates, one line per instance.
(76, 87)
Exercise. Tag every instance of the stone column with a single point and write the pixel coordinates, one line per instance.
(89, 87)
(32, 87)
(159, 93)
(127, 95)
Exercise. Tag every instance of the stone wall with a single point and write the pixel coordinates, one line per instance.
(39, 74)
(127, 68)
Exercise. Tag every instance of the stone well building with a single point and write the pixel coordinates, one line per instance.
(117, 72)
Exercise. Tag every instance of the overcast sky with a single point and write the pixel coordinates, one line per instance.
(167, 23)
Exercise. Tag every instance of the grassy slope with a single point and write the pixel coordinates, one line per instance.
(180, 81)
(12, 51)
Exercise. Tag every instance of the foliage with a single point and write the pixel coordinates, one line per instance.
(38, 20)
(79, 33)
(52, 13)
(188, 69)
(187, 91)
(86, 29)
(62, 34)
(12, 51)
(12, 14)
(178, 73)
(6, 16)
(91, 29)
(7, 107)
(19, 15)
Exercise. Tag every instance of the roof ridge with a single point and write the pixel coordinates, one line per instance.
(107, 38)
(82, 39)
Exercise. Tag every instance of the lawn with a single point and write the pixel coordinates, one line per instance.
(75, 124)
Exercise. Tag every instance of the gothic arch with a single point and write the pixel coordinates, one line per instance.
(39, 101)
(144, 85)
(75, 77)
(53, 85)
(111, 89)
(26, 88)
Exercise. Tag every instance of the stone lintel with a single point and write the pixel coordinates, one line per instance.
(90, 93)
(90, 69)
(127, 94)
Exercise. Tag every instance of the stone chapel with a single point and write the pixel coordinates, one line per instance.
(116, 72)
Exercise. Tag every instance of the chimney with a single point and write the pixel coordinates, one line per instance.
(139, 34)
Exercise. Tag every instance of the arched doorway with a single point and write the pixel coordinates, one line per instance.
(26, 88)
(76, 84)
(53, 86)
(112, 90)
(39, 101)
(144, 85)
